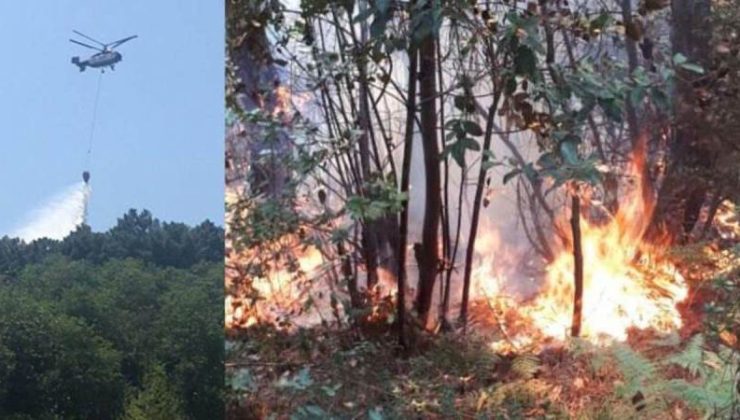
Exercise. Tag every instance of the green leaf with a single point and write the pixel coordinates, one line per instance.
(695, 68)
(548, 161)
(310, 412)
(611, 108)
(599, 23)
(375, 414)
(569, 152)
(679, 59)
(637, 96)
(242, 381)
(464, 103)
(660, 99)
(525, 62)
(299, 381)
(469, 143)
(472, 128)
(489, 160)
(331, 391)
(511, 175)
(488, 164)
(377, 28)
(458, 149)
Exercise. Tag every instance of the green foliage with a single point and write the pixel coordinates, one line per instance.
(382, 198)
(310, 412)
(135, 235)
(53, 361)
(525, 62)
(241, 380)
(157, 399)
(77, 327)
(680, 60)
(460, 136)
(525, 365)
(637, 370)
(298, 382)
(426, 19)
(691, 358)
(713, 393)
(264, 222)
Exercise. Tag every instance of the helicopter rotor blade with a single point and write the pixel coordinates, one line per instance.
(121, 41)
(85, 45)
(89, 38)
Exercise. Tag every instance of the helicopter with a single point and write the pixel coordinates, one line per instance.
(106, 57)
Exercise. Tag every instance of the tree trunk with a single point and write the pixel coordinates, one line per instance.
(476, 210)
(684, 189)
(429, 264)
(575, 224)
(405, 175)
(633, 124)
(369, 227)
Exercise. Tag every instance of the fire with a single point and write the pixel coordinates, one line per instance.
(279, 286)
(628, 283)
(281, 291)
(727, 221)
(625, 285)
(282, 102)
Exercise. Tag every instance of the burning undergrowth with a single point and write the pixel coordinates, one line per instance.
(629, 283)
(300, 276)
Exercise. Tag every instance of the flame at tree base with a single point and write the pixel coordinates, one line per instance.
(627, 282)
(626, 285)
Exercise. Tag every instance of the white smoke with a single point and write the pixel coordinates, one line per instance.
(59, 216)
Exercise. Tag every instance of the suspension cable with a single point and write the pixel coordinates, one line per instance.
(92, 124)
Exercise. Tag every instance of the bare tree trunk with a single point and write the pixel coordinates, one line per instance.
(631, 47)
(429, 264)
(369, 227)
(447, 251)
(476, 209)
(348, 274)
(405, 175)
(684, 188)
(717, 200)
(575, 223)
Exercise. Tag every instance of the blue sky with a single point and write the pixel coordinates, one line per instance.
(158, 140)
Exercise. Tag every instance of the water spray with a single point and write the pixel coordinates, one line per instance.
(59, 216)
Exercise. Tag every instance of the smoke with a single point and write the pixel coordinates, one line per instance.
(59, 216)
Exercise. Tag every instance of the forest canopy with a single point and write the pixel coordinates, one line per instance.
(125, 323)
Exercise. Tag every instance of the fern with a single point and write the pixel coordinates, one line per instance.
(635, 368)
(713, 394)
(525, 366)
(719, 384)
(692, 357)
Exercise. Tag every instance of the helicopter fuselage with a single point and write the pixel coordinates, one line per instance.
(99, 60)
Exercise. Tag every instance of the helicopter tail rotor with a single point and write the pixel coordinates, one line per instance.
(81, 65)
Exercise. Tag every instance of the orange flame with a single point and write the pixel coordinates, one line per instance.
(282, 292)
(627, 282)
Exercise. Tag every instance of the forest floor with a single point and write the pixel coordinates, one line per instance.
(324, 373)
